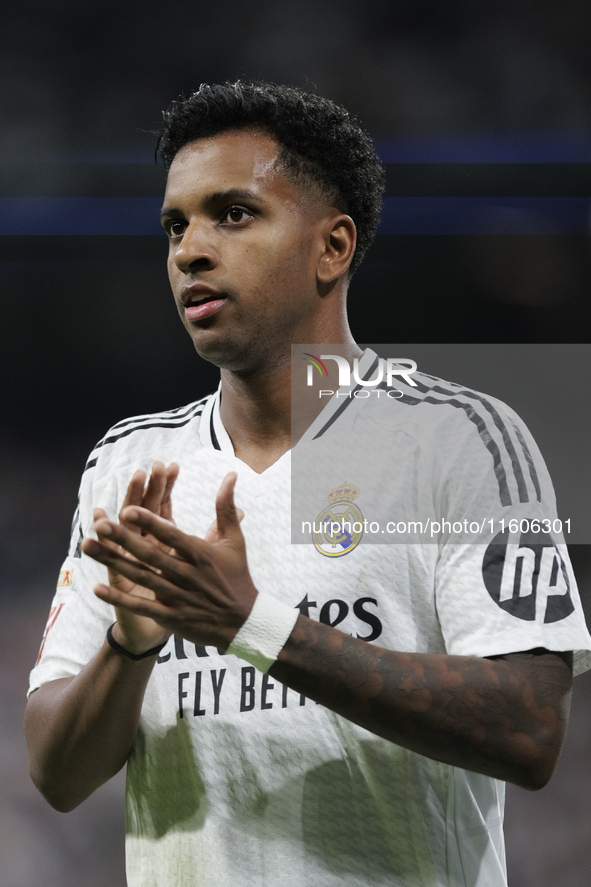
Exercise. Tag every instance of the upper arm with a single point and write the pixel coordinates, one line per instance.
(42, 701)
(42, 705)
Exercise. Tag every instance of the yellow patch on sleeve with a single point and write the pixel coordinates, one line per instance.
(65, 578)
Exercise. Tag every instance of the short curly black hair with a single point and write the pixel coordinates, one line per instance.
(320, 142)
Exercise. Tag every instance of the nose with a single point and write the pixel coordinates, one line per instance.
(195, 251)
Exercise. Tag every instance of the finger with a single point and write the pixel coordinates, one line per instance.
(134, 570)
(138, 605)
(213, 535)
(190, 548)
(155, 489)
(135, 490)
(228, 523)
(150, 553)
(172, 472)
(99, 515)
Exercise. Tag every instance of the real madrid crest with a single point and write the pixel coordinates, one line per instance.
(338, 528)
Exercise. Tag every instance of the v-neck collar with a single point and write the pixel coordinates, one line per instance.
(213, 434)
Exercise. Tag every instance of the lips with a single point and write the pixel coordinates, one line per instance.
(203, 309)
(201, 301)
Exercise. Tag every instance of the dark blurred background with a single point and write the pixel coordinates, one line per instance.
(482, 112)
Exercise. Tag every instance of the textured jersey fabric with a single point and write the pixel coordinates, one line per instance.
(235, 780)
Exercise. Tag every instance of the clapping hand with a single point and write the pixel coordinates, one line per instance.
(198, 588)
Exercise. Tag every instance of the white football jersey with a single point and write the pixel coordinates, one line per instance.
(235, 780)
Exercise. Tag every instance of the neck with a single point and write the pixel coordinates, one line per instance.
(256, 406)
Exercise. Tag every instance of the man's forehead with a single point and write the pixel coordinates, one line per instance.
(229, 160)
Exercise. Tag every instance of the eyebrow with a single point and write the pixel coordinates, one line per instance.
(215, 199)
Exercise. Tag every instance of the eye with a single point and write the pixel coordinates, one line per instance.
(175, 227)
(236, 215)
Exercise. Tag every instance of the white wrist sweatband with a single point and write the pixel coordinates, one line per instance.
(265, 632)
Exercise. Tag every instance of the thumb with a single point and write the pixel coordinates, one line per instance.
(228, 517)
(213, 535)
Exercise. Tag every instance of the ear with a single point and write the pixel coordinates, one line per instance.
(339, 240)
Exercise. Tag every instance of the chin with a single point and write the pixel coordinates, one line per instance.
(224, 354)
(244, 351)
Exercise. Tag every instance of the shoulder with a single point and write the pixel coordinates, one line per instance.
(435, 405)
(456, 407)
(136, 442)
(457, 413)
(430, 408)
(463, 430)
(152, 435)
(451, 413)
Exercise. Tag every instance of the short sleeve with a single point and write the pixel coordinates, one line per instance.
(509, 598)
(513, 588)
(78, 620)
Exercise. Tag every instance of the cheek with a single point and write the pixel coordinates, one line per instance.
(173, 271)
(290, 256)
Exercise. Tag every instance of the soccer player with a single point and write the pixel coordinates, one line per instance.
(264, 744)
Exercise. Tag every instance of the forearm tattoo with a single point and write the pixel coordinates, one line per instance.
(503, 716)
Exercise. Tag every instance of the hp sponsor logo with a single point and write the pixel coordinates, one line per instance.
(526, 578)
